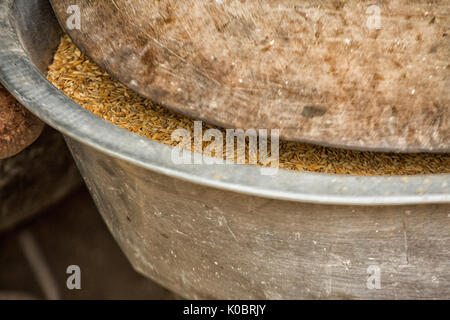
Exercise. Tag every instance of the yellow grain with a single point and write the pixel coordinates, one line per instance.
(84, 82)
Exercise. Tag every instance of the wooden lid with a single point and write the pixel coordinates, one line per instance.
(340, 73)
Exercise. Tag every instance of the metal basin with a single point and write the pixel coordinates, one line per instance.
(226, 231)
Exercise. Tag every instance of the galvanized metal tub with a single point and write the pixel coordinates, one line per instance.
(226, 231)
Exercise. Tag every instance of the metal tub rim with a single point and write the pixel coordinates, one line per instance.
(21, 77)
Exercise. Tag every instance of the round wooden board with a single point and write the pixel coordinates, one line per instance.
(340, 73)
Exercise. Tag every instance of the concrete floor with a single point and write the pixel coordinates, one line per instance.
(35, 256)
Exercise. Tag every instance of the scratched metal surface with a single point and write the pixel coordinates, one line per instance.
(206, 243)
(211, 231)
(313, 69)
(26, 43)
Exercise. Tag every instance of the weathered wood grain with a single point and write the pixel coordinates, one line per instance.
(268, 64)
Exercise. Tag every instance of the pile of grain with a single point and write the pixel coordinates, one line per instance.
(84, 82)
